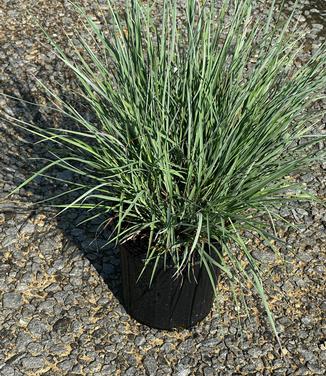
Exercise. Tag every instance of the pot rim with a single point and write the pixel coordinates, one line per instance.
(142, 256)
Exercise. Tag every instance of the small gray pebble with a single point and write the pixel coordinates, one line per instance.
(211, 342)
(150, 365)
(37, 327)
(132, 371)
(183, 372)
(209, 371)
(255, 352)
(12, 300)
(265, 257)
(35, 348)
(27, 228)
(316, 369)
(308, 355)
(23, 339)
(306, 320)
(33, 362)
(7, 371)
(140, 340)
(66, 365)
(62, 325)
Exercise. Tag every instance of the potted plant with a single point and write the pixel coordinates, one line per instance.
(197, 126)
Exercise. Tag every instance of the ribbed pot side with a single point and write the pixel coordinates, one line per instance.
(169, 302)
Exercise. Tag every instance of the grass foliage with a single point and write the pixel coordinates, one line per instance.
(193, 139)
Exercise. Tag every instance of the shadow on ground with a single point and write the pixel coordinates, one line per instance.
(22, 156)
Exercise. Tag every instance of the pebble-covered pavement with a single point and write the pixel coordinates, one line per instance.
(59, 293)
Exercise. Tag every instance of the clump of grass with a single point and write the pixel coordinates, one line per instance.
(192, 142)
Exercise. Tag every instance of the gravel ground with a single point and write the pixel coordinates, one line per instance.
(59, 294)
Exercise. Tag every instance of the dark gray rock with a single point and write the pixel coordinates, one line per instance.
(58, 349)
(305, 256)
(150, 365)
(209, 371)
(107, 369)
(308, 355)
(140, 340)
(132, 371)
(307, 320)
(47, 306)
(66, 365)
(302, 371)
(37, 327)
(35, 348)
(9, 241)
(47, 246)
(187, 345)
(12, 300)
(108, 269)
(23, 339)
(255, 352)
(33, 362)
(62, 325)
(264, 257)
(316, 369)
(182, 371)
(211, 342)
(27, 228)
(7, 371)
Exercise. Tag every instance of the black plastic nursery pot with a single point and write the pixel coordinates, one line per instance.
(169, 302)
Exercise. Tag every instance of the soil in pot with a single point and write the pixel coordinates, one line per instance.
(170, 302)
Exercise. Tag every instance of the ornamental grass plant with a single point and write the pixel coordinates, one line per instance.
(196, 127)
